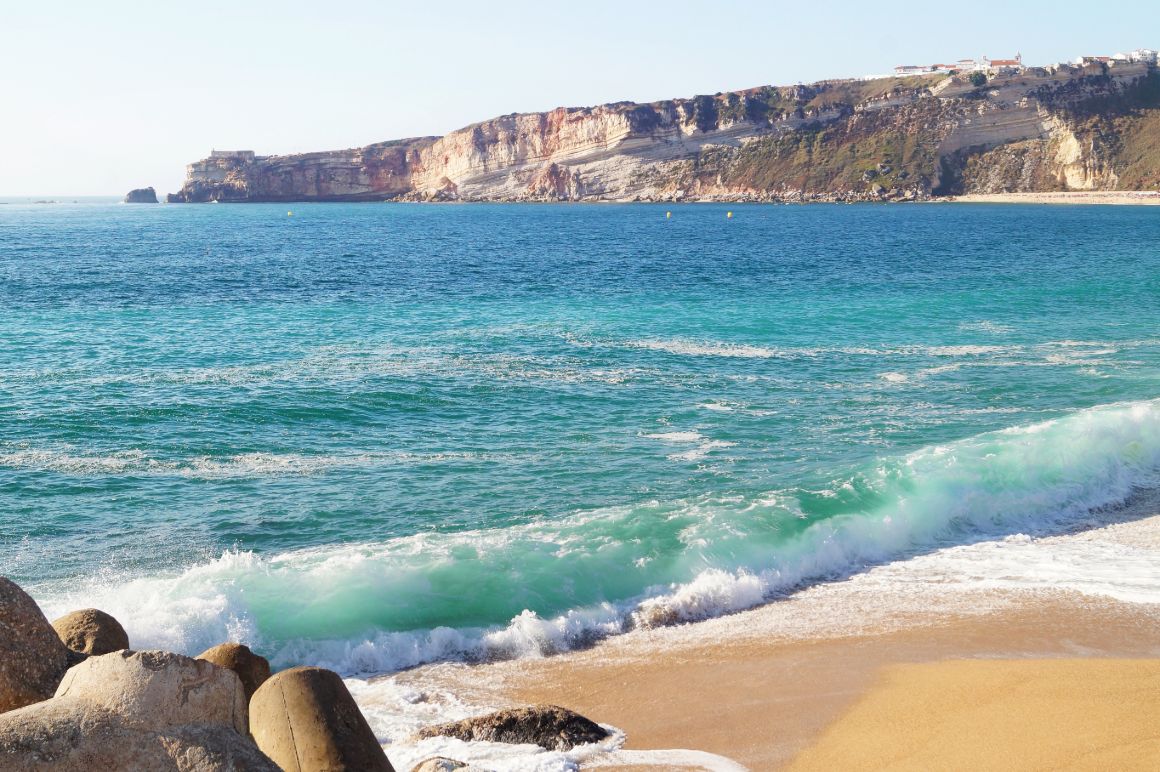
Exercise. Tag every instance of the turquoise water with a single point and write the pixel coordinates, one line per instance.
(374, 435)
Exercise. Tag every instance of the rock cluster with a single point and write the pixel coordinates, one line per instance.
(121, 710)
(75, 697)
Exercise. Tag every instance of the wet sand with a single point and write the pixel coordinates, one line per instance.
(798, 681)
(1120, 197)
(761, 704)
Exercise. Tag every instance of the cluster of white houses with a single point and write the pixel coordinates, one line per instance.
(962, 65)
(983, 64)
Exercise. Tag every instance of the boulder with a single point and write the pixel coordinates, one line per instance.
(67, 736)
(548, 726)
(155, 689)
(141, 196)
(91, 631)
(147, 710)
(32, 657)
(252, 668)
(439, 764)
(305, 719)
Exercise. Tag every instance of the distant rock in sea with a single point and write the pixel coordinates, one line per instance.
(141, 196)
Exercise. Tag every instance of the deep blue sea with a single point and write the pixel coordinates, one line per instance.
(382, 434)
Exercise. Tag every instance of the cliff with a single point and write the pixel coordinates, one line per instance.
(1064, 128)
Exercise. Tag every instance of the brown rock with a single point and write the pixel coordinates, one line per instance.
(156, 689)
(65, 735)
(252, 668)
(548, 726)
(305, 720)
(148, 710)
(91, 631)
(32, 658)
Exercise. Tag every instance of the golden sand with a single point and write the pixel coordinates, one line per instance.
(1090, 714)
(762, 704)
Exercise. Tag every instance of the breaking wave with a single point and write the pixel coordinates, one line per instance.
(551, 585)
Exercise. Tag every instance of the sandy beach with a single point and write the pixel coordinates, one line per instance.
(1013, 714)
(876, 672)
(1113, 197)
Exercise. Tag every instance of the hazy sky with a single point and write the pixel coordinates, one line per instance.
(100, 97)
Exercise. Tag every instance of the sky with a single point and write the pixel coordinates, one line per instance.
(101, 97)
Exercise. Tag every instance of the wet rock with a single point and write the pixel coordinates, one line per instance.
(549, 726)
(440, 764)
(305, 719)
(252, 668)
(141, 196)
(32, 657)
(91, 631)
(155, 689)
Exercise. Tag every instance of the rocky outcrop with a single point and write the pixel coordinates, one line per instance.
(32, 658)
(549, 726)
(251, 668)
(935, 133)
(305, 719)
(133, 711)
(141, 196)
(91, 631)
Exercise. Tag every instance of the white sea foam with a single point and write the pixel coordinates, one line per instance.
(67, 460)
(701, 451)
(994, 328)
(677, 437)
(719, 407)
(707, 348)
(966, 350)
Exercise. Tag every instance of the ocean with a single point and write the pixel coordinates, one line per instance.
(371, 436)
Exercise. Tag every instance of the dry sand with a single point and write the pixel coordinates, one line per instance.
(1071, 197)
(1031, 714)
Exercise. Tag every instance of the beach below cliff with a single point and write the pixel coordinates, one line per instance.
(1105, 197)
(968, 654)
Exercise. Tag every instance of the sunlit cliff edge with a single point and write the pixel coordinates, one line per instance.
(1089, 127)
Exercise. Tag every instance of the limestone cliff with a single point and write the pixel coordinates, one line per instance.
(1064, 128)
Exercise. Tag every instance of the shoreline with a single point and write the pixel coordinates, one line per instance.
(1071, 197)
(1106, 198)
(759, 688)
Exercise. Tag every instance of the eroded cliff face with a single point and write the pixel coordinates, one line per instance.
(1060, 129)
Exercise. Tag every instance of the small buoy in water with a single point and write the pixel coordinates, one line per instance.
(728, 215)
(668, 215)
(289, 214)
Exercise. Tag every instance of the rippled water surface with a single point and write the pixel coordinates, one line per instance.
(394, 433)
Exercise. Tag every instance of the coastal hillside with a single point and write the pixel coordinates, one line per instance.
(1084, 127)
